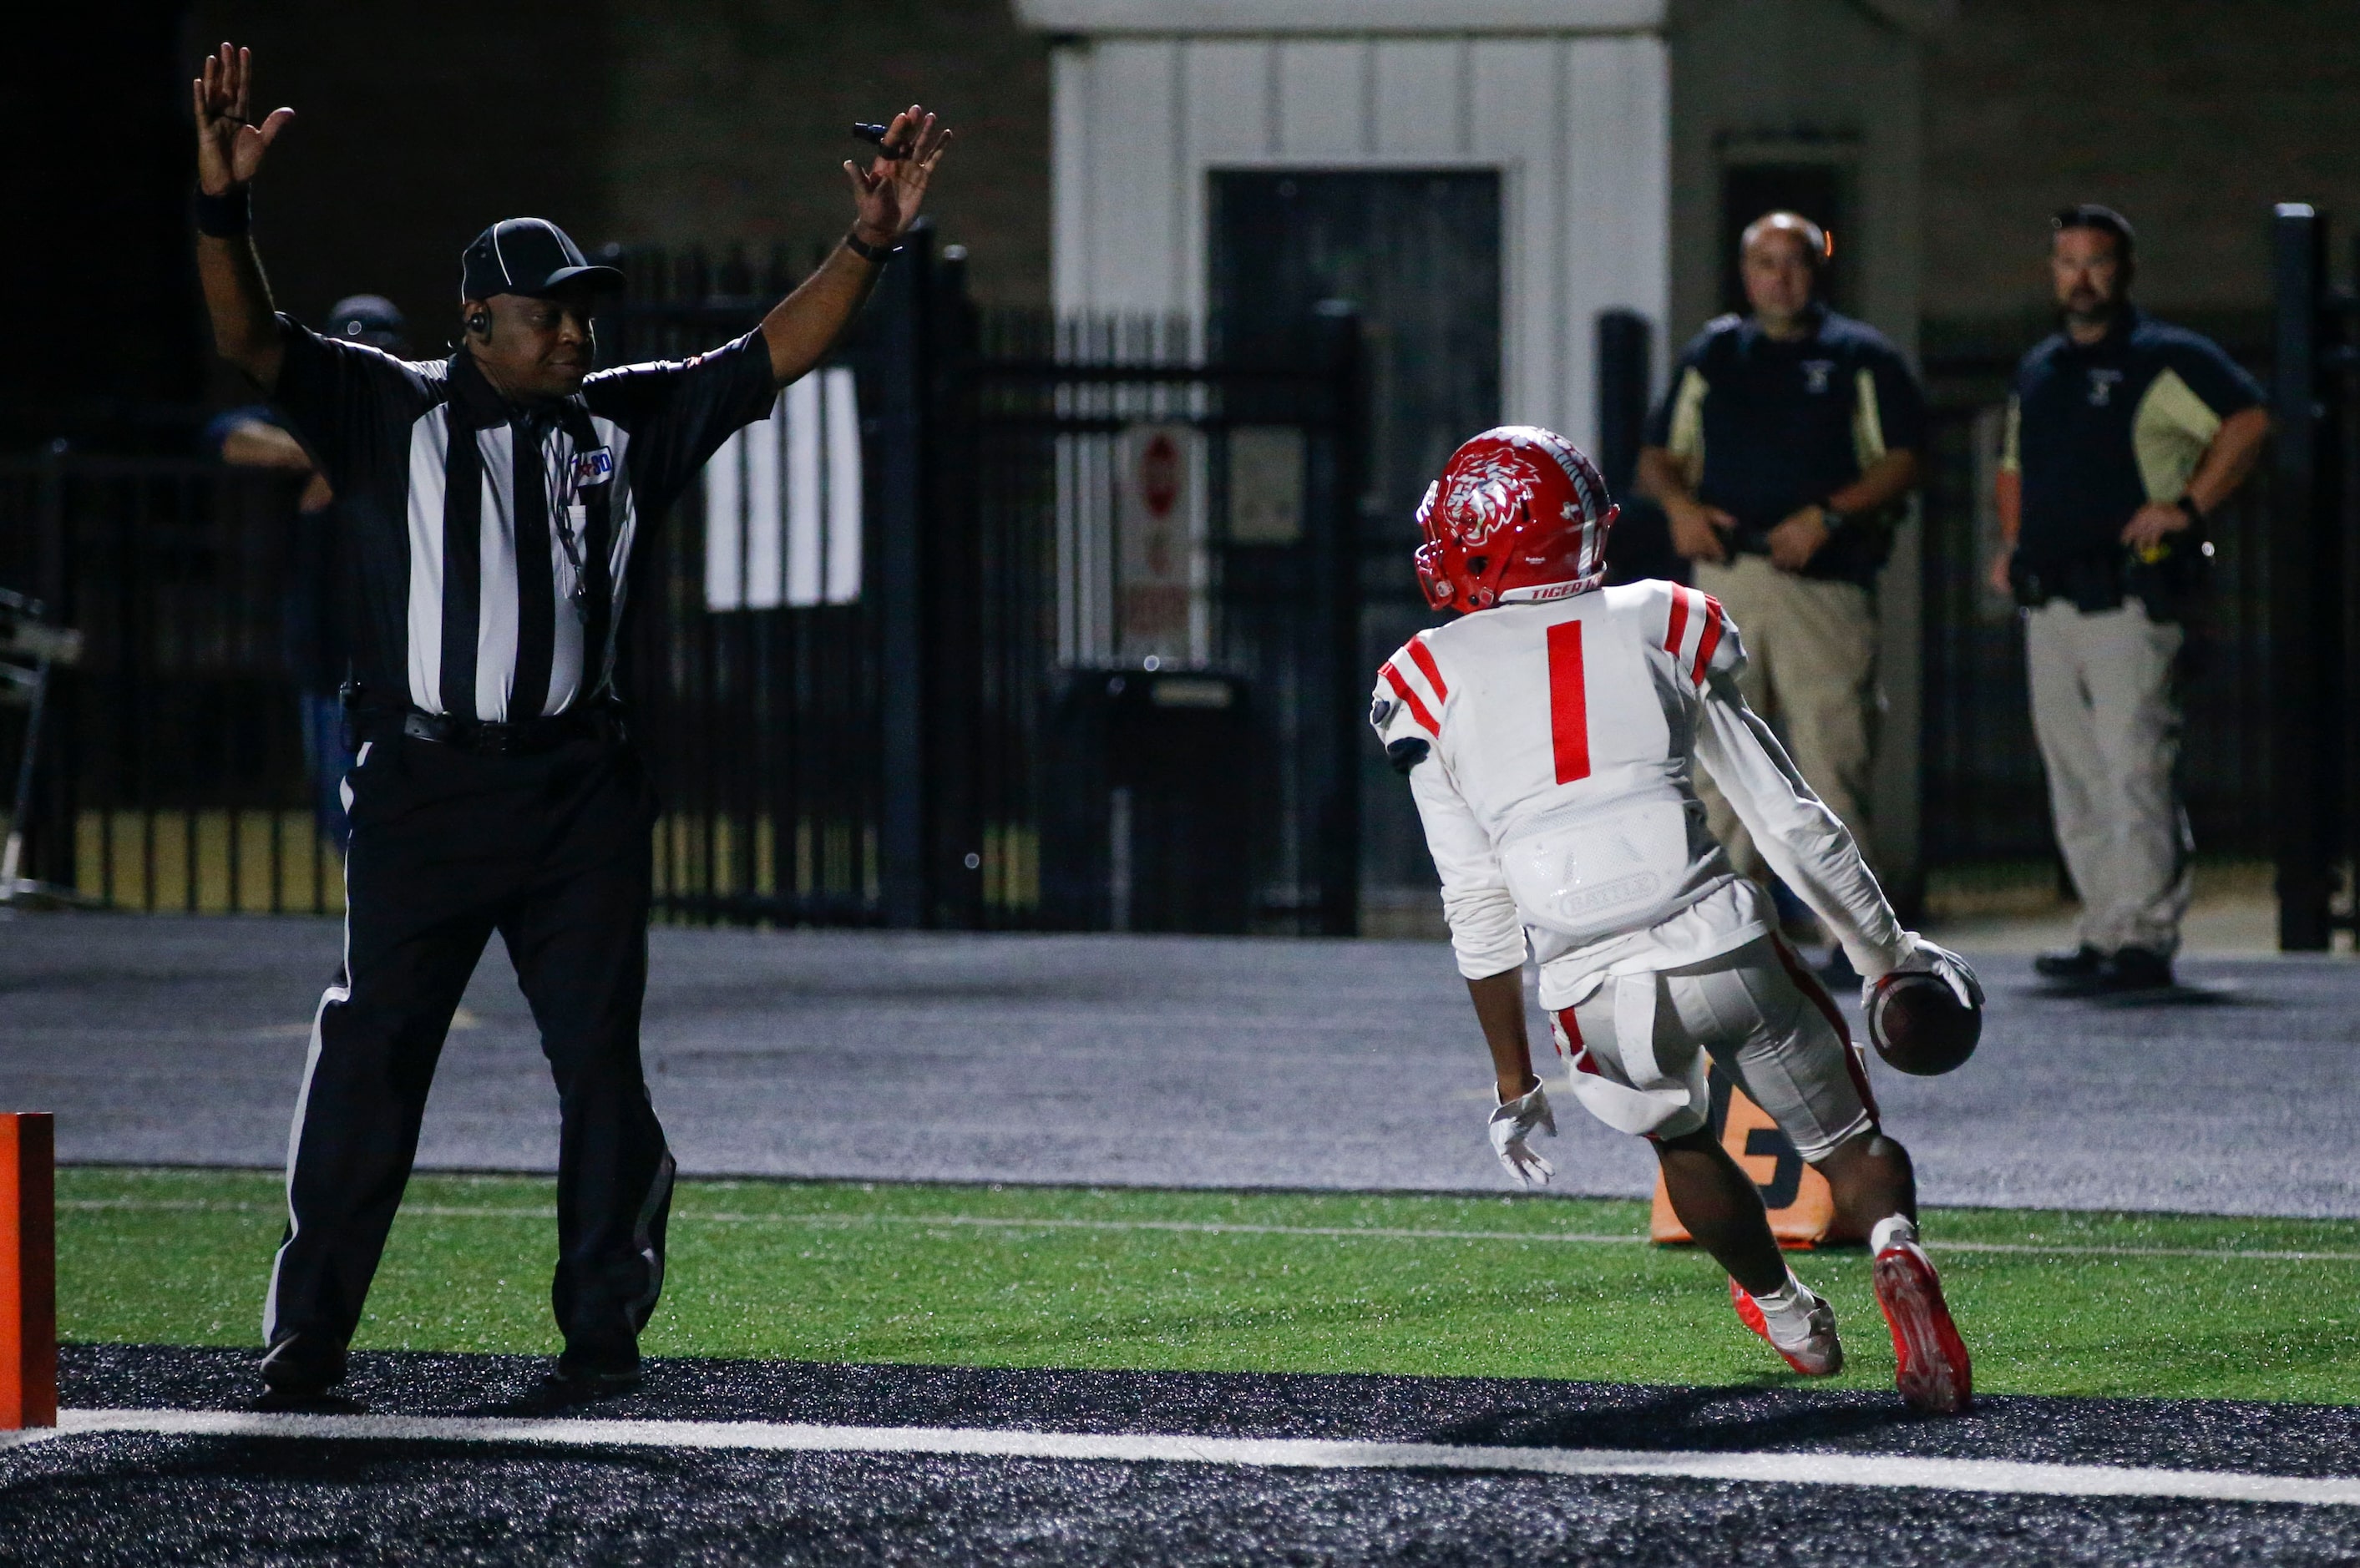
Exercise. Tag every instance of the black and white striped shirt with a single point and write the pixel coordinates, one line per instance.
(495, 544)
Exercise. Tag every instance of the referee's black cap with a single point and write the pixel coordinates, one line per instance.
(527, 256)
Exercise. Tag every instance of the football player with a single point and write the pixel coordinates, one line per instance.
(1550, 736)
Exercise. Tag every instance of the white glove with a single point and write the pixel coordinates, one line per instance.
(1923, 957)
(1511, 1125)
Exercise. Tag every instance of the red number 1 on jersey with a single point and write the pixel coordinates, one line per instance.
(1569, 706)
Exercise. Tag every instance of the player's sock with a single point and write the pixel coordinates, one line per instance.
(1799, 1325)
(1787, 1311)
(1893, 1230)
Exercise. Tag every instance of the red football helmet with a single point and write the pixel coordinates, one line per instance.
(1519, 513)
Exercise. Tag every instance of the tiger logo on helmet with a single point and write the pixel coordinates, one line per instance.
(1520, 515)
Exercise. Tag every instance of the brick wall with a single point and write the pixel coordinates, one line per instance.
(416, 126)
(2191, 115)
(702, 121)
(731, 117)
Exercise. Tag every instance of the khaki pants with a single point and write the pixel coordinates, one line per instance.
(2108, 724)
(1810, 668)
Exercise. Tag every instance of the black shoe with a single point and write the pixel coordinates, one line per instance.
(2136, 969)
(594, 1374)
(302, 1366)
(2084, 963)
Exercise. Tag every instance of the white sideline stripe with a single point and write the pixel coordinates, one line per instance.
(1214, 1227)
(1290, 1453)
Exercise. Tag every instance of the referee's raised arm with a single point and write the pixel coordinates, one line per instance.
(230, 145)
(801, 327)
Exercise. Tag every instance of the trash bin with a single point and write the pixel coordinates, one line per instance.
(1143, 818)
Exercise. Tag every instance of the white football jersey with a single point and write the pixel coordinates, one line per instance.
(1552, 750)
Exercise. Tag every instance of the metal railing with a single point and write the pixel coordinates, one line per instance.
(179, 781)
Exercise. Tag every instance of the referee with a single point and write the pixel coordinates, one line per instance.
(496, 504)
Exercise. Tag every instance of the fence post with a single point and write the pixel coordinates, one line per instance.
(904, 370)
(2340, 516)
(2305, 733)
(51, 855)
(963, 563)
(1336, 678)
(1625, 367)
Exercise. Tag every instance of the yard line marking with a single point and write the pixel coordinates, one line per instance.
(2000, 1476)
(1213, 1227)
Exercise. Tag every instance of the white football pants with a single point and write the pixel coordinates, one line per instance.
(1639, 1043)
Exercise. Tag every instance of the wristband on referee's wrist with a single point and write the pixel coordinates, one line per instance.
(228, 216)
(874, 255)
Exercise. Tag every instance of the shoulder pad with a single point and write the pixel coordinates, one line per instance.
(1698, 635)
(1412, 684)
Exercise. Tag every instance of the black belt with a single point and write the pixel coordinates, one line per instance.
(530, 738)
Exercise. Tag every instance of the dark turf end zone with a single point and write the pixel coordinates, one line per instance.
(147, 1502)
(133, 1499)
(2272, 1439)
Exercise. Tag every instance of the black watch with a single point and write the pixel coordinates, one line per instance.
(1832, 519)
(875, 256)
(2195, 514)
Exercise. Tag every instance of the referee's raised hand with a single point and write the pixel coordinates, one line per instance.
(887, 193)
(229, 150)
(230, 145)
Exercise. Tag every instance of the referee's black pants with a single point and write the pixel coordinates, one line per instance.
(551, 851)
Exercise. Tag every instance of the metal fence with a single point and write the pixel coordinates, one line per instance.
(754, 678)
(1201, 708)
(177, 780)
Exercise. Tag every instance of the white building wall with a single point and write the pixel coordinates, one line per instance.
(1578, 124)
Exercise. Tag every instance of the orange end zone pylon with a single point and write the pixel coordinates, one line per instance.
(1802, 1209)
(29, 1270)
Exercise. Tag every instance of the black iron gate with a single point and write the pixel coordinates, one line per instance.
(1201, 711)
(2314, 474)
(876, 747)
(757, 667)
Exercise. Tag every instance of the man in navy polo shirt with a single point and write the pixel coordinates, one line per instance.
(1782, 457)
(2123, 435)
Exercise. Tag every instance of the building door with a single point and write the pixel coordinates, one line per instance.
(1419, 253)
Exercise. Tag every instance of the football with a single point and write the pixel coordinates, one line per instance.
(1919, 1025)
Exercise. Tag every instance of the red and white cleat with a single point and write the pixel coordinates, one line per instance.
(1934, 1373)
(1819, 1354)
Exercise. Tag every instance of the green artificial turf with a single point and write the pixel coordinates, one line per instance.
(2126, 1304)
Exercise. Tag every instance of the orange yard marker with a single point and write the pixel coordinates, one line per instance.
(1802, 1209)
(29, 1270)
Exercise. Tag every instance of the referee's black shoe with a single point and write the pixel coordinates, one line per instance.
(301, 1369)
(2083, 965)
(591, 1374)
